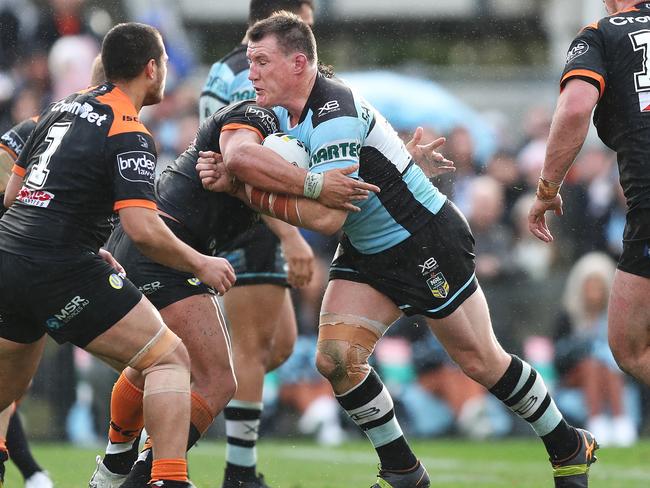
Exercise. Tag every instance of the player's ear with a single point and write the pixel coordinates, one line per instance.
(150, 69)
(300, 63)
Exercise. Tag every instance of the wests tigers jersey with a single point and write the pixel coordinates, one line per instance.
(212, 219)
(88, 156)
(13, 141)
(613, 54)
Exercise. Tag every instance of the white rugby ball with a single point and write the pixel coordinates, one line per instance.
(289, 147)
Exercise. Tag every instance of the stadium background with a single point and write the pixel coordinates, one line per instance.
(484, 73)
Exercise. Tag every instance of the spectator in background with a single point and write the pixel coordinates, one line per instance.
(502, 166)
(61, 18)
(460, 149)
(583, 358)
(530, 255)
(442, 399)
(493, 238)
(68, 62)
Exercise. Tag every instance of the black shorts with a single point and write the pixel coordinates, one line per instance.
(72, 301)
(160, 284)
(635, 257)
(257, 258)
(431, 273)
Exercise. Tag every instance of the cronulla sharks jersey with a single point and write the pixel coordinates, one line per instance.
(339, 129)
(227, 83)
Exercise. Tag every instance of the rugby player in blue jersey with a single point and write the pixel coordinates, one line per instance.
(268, 259)
(407, 251)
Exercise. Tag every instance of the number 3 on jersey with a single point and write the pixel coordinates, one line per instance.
(641, 42)
(39, 172)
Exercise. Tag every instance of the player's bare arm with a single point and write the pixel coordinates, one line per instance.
(298, 254)
(154, 239)
(568, 132)
(248, 161)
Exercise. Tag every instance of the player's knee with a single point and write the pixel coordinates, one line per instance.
(217, 387)
(165, 364)
(281, 352)
(331, 360)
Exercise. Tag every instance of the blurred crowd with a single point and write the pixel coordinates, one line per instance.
(548, 300)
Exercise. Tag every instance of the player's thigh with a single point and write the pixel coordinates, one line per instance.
(254, 313)
(18, 364)
(287, 330)
(468, 337)
(198, 321)
(360, 299)
(629, 314)
(120, 343)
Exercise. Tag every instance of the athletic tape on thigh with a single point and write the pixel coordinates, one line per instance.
(163, 343)
(176, 379)
(330, 318)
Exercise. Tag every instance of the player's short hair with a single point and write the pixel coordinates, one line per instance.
(292, 33)
(262, 9)
(128, 47)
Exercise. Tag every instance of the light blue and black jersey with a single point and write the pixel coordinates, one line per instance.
(227, 83)
(339, 129)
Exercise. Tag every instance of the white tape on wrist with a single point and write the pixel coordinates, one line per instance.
(313, 185)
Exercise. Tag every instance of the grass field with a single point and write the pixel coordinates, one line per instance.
(302, 464)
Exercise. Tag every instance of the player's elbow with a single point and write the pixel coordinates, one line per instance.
(238, 161)
(140, 231)
(329, 223)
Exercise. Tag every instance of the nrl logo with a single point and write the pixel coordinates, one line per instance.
(436, 281)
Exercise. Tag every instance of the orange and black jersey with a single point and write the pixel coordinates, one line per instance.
(13, 141)
(212, 220)
(614, 55)
(88, 156)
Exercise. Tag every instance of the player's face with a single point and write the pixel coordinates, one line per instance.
(270, 71)
(157, 89)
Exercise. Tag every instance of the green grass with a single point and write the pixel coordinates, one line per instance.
(519, 463)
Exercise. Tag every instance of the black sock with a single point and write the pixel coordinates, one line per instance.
(522, 390)
(561, 442)
(193, 437)
(19, 447)
(4, 455)
(121, 463)
(370, 406)
(140, 473)
(234, 472)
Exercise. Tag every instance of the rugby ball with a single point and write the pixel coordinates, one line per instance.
(290, 148)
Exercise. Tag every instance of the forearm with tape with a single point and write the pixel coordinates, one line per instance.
(283, 207)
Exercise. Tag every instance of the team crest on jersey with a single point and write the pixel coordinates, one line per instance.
(435, 279)
(580, 48)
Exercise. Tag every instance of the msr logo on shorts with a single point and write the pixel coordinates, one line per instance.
(137, 166)
(71, 309)
(149, 288)
(436, 281)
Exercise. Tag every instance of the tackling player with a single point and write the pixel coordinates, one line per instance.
(88, 156)
(408, 251)
(267, 259)
(607, 69)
